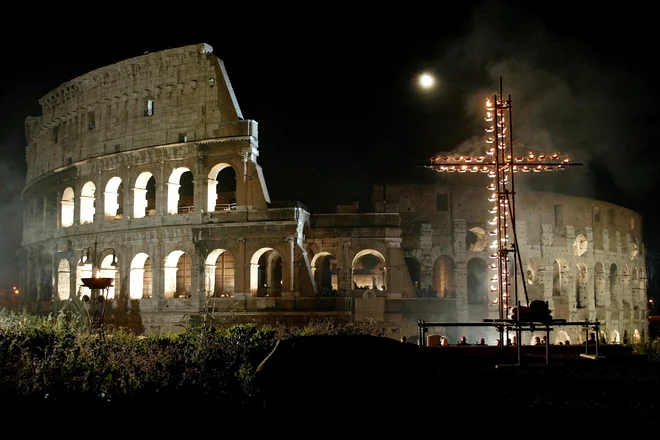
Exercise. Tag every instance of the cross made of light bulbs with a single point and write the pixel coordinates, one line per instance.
(501, 164)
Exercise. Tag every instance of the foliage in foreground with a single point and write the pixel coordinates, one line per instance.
(55, 358)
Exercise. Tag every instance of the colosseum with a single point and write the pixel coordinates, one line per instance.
(151, 161)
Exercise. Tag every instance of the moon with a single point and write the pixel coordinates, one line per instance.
(426, 81)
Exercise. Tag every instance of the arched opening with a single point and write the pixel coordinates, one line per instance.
(599, 284)
(559, 278)
(477, 281)
(581, 296)
(180, 191)
(219, 274)
(533, 280)
(443, 278)
(615, 338)
(144, 195)
(141, 277)
(325, 273)
(178, 275)
(580, 245)
(83, 270)
(637, 337)
(369, 270)
(68, 202)
(562, 336)
(221, 188)
(114, 199)
(108, 271)
(64, 279)
(476, 240)
(266, 273)
(87, 198)
(614, 283)
(415, 271)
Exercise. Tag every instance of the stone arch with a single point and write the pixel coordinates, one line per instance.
(219, 271)
(221, 195)
(64, 279)
(178, 275)
(615, 338)
(415, 272)
(477, 281)
(559, 275)
(68, 203)
(144, 195)
(541, 335)
(87, 199)
(180, 197)
(581, 286)
(637, 337)
(443, 277)
(368, 270)
(476, 239)
(324, 267)
(533, 280)
(561, 336)
(113, 199)
(83, 270)
(265, 279)
(107, 270)
(599, 284)
(633, 251)
(580, 245)
(141, 277)
(614, 283)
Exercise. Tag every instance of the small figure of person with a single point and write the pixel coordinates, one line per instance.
(404, 339)
(537, 341)
(567, 342)
(463, 341)
(482, 341)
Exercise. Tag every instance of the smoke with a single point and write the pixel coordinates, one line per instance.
(11, 219)
(565, 99)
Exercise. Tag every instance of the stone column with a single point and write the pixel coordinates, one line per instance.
(161, 190)
(200, 194)
(158, 273)
(287, 271)
(344, 267)
(241, 272)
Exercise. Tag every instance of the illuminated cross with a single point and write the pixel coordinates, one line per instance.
(501, 164)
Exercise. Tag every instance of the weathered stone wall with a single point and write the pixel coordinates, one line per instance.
(108, 110)
(586, 257)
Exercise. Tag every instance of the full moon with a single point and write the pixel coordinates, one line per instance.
(426, 81)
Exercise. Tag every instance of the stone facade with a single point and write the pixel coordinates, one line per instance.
(146, 172)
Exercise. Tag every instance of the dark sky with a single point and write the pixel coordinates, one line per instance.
(333, 90)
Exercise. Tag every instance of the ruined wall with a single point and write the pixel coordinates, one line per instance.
(160, 98)
(585, 257)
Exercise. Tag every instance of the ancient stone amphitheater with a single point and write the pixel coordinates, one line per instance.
(147, 172)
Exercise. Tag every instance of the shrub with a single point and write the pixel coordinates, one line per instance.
(57, 358)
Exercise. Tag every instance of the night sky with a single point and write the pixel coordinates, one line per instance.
(334, 92)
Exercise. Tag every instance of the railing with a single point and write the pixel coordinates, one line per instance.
(225, 207)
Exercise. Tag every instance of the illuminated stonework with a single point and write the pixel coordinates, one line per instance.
(152, 157)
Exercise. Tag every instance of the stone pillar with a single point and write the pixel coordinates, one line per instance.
(241, 272)
(200, 194)
(426, 247)
(161, 190)
(287, 271)
(124, 273)
(344, 267)
(158, 273)
(460, 281)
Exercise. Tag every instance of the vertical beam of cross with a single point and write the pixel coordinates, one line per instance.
(501, 164)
